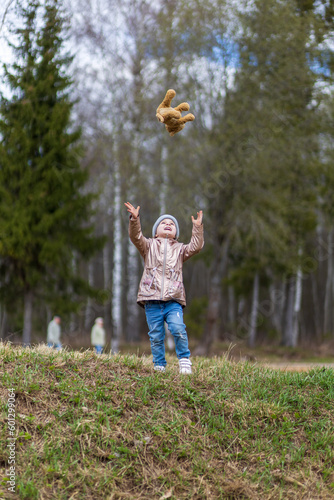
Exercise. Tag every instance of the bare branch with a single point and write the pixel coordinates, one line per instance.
(2, 22)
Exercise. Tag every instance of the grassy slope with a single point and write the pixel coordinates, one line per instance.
(93, 427)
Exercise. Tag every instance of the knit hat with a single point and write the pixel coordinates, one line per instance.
(162, 217)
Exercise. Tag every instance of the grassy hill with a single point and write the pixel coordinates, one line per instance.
(109, 427)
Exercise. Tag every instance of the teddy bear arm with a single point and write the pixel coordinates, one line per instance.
(188, 118)
(176, 126)
(184, 106)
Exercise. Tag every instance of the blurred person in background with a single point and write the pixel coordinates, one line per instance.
(54, 332)
(98, 336)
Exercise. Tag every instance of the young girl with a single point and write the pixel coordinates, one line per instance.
(161, 290)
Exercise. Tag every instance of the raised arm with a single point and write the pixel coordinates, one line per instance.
(197, 238)
(135, 232)
(133, 211)
(199, 220)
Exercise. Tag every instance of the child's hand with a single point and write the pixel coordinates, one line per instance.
(199, 219)
(133, 211)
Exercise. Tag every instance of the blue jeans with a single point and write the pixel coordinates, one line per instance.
(57, 345)
(157, 312)
(98, 349)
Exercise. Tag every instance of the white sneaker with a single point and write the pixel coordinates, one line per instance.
(160, 368)
(185, 366)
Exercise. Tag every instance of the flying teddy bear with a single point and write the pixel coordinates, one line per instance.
(172, 117)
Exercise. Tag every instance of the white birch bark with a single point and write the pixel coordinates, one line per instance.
(241, 306)
(296, 308)
(106, 275)
(116, 309)
(288, 323)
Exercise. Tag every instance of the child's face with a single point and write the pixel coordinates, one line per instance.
(166, 229)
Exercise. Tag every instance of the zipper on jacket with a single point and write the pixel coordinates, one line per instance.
(163, 269)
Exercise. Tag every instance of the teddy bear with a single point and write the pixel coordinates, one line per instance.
(172, 117)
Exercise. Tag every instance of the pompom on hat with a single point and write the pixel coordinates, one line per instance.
(162, 217)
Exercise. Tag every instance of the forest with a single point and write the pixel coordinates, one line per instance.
(80, 84)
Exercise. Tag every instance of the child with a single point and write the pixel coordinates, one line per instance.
(98, 336)
(53, 333)
(161, 291)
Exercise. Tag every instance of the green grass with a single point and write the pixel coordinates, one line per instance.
(109, 427)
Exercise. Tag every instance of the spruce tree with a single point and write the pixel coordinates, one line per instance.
(44, 212)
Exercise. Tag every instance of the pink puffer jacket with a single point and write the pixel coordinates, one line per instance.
(163, 260)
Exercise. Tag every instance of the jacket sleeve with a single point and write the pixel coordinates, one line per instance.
(196, 242)
(137, 237)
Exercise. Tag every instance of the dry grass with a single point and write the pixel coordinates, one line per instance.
(109, 427)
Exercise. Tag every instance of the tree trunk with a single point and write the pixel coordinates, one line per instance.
(27, 318)
(316, 307)
(212, 321)
(296, 308)
(117, 268)
(89, 311)
(277, 299)
(3, 322)
(231, 312)
(106, 276)
(73, 317)
(132, 262)
(291, 327)
(132, 325)
(254, 311)
(328, 305)
(211, 332)
(288, 319)
(317, 291)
